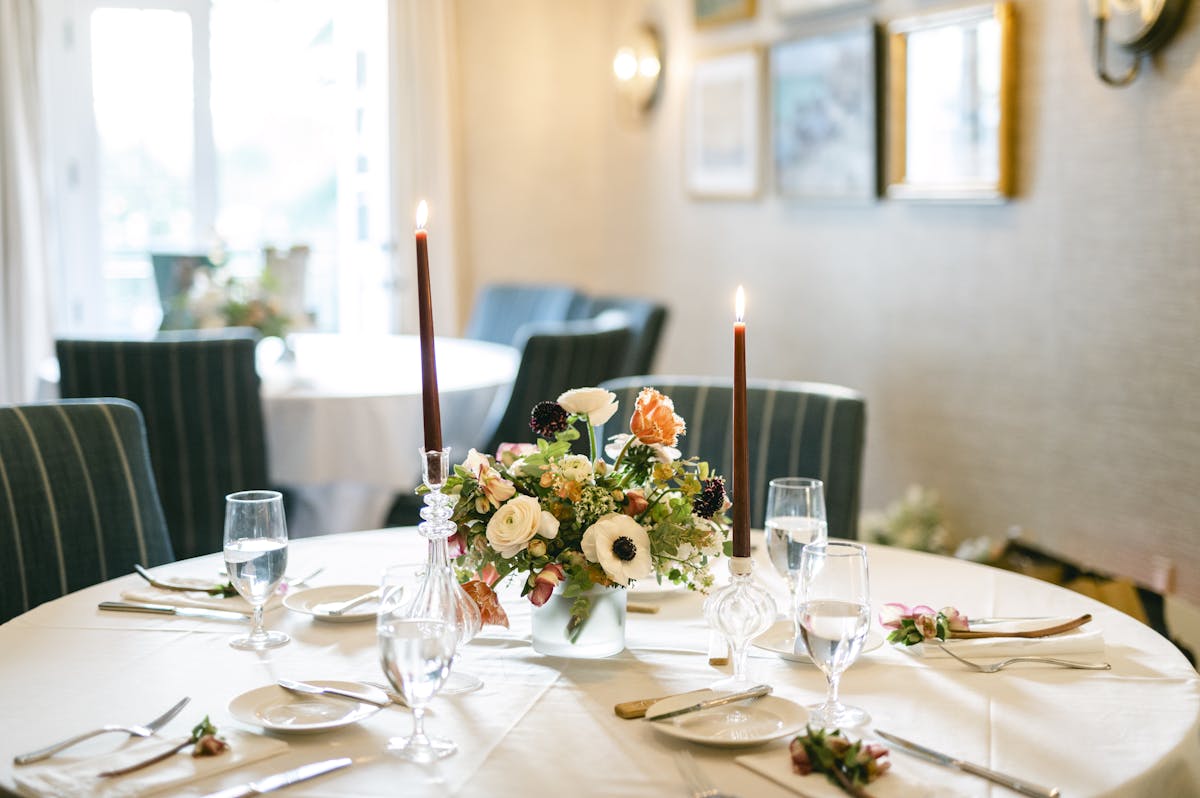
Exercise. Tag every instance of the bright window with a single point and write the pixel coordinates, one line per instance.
(222, 128)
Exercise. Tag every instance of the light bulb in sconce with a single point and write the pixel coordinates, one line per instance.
(637, 68)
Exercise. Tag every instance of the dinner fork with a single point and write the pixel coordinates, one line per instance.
(992, 667)
(133, 731)
(697, 782)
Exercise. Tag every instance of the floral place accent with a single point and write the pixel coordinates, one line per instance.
(555, 517)
(848, 764)
(920, 623)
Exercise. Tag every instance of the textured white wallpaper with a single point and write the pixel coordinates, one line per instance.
(1037, 363)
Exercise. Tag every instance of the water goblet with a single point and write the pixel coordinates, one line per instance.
(833, 614)
(256, 557)
(416, 648)
(795, 517)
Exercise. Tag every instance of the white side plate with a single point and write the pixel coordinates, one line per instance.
(312, 601)
(733, 725)
(271, 707)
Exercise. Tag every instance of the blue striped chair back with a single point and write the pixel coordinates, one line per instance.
(798, 429)
(502, 309)
(78, 504)
(647, 319)
(199, 393)
(556, 358)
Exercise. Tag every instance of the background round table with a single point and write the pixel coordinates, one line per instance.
(344, 423)
(546, 725)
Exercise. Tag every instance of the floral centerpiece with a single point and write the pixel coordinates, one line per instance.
(580, 521)
(221, 300)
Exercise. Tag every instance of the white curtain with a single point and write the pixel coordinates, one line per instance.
(424, 142)
(24, 305)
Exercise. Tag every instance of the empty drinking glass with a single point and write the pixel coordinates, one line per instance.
(256, 557)
(834, 614)
(416, 648)
(795, 517)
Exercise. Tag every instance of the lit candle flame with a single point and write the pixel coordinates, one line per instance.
(739, 304)
(422, 214)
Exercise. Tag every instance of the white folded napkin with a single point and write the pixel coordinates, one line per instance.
(63, 777)
(776, 765)
(148, 594)
(1086, 639)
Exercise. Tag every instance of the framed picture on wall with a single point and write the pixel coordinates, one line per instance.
(823, 115)
(950, 99)
(722, 149)
(718, 12)
(789, 8)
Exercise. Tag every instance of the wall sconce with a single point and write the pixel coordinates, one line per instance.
(637, 68)
(1139, 26)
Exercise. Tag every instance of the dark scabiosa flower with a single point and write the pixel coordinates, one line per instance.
(548, 419)
(711, 498)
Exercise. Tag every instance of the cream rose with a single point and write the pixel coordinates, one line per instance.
(576, 468)
(595, 403)
(620, 545)
(514, 525)
(548, 528)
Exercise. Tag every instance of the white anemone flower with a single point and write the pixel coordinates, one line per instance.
(620, 545)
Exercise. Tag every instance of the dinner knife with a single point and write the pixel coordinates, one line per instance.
(284, 779)
(754, 692)
(1023, 787)
(167, 609)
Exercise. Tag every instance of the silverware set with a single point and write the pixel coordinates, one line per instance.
(145, 730)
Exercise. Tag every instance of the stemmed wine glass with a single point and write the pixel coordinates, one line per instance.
(416, 647)
(834, 615)
(256, 557)
(795, 517)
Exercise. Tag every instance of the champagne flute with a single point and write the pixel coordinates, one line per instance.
(256, 557)
(416, 648)
(795, 517)
(834, 616)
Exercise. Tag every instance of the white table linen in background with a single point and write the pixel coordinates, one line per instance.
(544, 724)
(344, 423)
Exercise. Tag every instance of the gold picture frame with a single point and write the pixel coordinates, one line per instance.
(710, 13)
(950, 103)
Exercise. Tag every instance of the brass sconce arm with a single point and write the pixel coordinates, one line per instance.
(1101, 51)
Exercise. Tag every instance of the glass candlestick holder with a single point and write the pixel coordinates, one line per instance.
(739, 612)
(438, 589)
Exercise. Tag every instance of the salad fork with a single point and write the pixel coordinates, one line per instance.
(134, 731)
(993, 667)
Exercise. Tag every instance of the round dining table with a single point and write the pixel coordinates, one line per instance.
(544, 725)
(343, 419)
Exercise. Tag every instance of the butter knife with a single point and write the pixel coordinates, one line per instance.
(167, 609)
(284, 779)
(312, 689)
(1012, 783)
(757, 691)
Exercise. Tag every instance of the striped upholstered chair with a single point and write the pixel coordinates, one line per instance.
(801, 429)
(646, 317)
(501, 309)
(78, 503)
(556, 358)
(199, 393)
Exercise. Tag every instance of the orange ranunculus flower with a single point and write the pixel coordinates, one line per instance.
(654, 419)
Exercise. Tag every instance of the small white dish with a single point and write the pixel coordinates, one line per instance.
(779, 640)
(273, 708)
(312, 601)
(737, 725)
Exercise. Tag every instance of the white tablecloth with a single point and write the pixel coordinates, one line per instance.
(543, 725)
(344, 423)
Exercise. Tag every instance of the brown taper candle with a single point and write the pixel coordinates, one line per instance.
(741, 452)
(430, 407)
